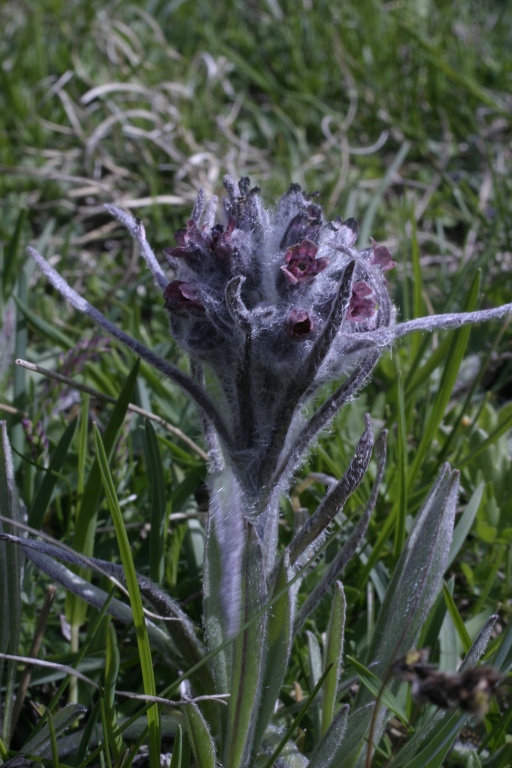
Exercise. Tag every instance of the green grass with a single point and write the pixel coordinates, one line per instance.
(399, 115)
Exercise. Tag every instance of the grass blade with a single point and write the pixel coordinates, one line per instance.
(10, 579)
(135, 599)
(158, 504)
(44, 494)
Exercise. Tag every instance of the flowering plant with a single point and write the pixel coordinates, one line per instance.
(271, 305)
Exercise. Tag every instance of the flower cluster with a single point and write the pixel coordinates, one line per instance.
(275, 302)
(287, 266)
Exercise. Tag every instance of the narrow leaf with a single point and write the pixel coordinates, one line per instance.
(10, 579)
(316, 672)
(158, 504)
(248, 656)
(61, 721)
(330, 750)
(200, 737)
(177, 749)
(457, 619)
(449, 376)
(44, 494)
(333, 655)
(112, 658)
(378, 690)
(135, 599)
(279, 643)
(85, 525)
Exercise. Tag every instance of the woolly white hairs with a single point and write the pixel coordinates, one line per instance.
(276, 303)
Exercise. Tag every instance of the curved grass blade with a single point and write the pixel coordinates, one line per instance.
(135, 599)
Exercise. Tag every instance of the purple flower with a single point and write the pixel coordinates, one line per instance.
(299, 324)
(381, 257)
(180, 295)
(206, 242)
(362, 302)
(301, 266)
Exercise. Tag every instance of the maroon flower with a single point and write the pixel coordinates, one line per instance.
(362, 303)
(192, 240)
(219, 240)
(180, 295)
(301, 266)
(299, 324)
(381, 257)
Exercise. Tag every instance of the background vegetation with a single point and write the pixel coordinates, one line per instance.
(399, 114)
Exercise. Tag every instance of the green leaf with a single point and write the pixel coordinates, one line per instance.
(329, 751)
(448, 378)
(378, 690)
(85, 525)
(141, 632)
(11, 255)
(60, 722)
(248, 656)
(333, 656)
(86, 519)
(112, 658)
(158, 498)
(466, 520)
(200, 737)
(221, 663)
(289, 732)
(177, 749)
(457, 620)
(279, 643)
(418, 577)
(51, 332)
(85, 740)
(416, 582)
(472, 760)
(315, 674)
(44, 494)
(438, 744)
(10, 579)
